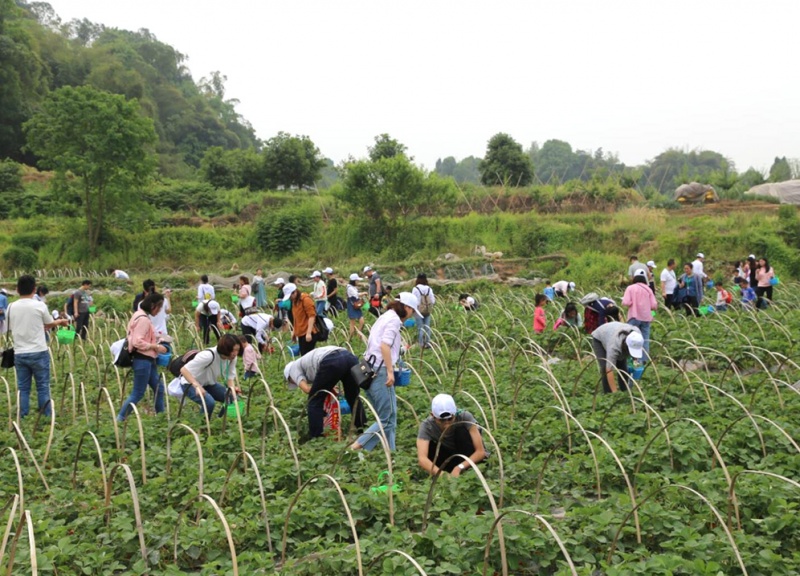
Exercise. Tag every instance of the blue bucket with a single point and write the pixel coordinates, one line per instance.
(402, 377)
(636, 371)
(163, 359)
(294, 350)
(344, 406)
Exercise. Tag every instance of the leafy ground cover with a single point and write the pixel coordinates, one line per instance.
(694, 472)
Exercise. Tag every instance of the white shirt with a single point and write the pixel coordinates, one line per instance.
(26, 320)
(208, 368)
(352, 291)
(121, 275)
(697, 268)
(260, 323)
(319, 290)
(159, 321)
(204, 289)
(668, 280)
(561, 286)
(386, 330)
(421, 289)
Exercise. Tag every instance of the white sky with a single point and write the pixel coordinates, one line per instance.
(442, 76)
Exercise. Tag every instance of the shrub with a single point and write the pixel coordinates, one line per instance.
(34, 239)
(21, 257)
(283, 231)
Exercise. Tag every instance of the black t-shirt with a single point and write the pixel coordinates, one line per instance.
(332, 285)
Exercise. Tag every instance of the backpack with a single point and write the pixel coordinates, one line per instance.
(728, 297)
(425, 305)
(322, 333)
(179, 362)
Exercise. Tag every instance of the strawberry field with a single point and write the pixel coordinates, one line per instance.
(695, 471)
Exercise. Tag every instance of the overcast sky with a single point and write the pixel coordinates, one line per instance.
(633, 77)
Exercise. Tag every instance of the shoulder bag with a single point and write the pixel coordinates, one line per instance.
(363, 373)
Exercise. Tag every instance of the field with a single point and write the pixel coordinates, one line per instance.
(694, 472)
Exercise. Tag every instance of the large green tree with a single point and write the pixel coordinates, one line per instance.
(102, 139)
(291, 161)
(505, 163)
(386, 147)
(780, 171)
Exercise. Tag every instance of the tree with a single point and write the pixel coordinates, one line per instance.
(386, 147)
(99, 137)
(291, 161)
(780, 171)
(505, 163)
(555, 162)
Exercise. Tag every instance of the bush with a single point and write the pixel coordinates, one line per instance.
(34, 239)
(21, 257)
(283, 231)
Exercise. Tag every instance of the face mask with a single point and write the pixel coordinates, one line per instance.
(410, 323)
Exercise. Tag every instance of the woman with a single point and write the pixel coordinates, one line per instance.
(426, 299)
(689, 286)
(247, 302)
(206, 319)
(259, 289)
(144, 347)
(641, 302)
(245, 290)
(205, 291)
(354, 311)
(752, 266)
(383, 350)
(304, 315)
(764, 275)
(202, 374)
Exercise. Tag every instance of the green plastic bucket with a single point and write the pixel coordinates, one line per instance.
(232, 408)
(66, 335)
(92, 309)
(235, 299)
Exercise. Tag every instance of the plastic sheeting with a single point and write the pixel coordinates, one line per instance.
(787, 192)
(695, 192)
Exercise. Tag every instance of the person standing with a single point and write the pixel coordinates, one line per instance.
(697, 267)
(383, 349)
(612, 343)
(332, 290)
(354, 306)
(375, 290)
(668, 284)
(539, 316)
(450, 432)
(304, 316)
(28, 319)
(144, 347)
(3, 308)
(81, 301)
(148, 287)
(635, 265)
(641, 302)
(319, 293)
(691, 289)
(259, 289)
(320, 370)
(651, 275)
(205, 291)
(426, 299)
(764, 275)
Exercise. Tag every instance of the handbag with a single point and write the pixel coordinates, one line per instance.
(7, 360)
(124, 359)
(363, 373)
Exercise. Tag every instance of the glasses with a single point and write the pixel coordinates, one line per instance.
(445, 416)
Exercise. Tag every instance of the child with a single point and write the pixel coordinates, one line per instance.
(467, 302)
(723, 298)
(539, 317)
(549, 291)
(569, 317)
(250, 356)
(748, 294)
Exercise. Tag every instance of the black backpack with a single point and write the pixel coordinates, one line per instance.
(322, 332)
(179, 362)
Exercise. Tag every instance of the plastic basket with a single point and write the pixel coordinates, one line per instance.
(92, 309)
(774, 281)
(344, 406)
(635, 371)
(710, 284)
(383, 488)
(65, 335)
(163, 359)
(232, 408)
(402, 377)
(235, 299)
(294, 350)
(195, 303)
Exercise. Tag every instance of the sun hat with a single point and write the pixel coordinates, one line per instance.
(640, 272)
(315, 274)
(288, 290)
(635, 344)
(279, 281)
(571, 285)
(286, 371)
(355, 277)
(408, 299)
(651, 264)
(328, 270)
(366, 269)
(443, 405)
(701, 255)
(213, 307)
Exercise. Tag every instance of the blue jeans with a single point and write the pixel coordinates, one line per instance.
(213, 393)
(36, 365)
(334, 367)
(319, 307)
(424, 331)
(145, 373)
(384, 400)
(644, 328)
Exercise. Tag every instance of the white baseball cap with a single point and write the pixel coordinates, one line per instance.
(753, 256)
(279, 281)
(640, 272)
(635, 344)
(328, 270)
(315, 274)
(701, 255)
(443, 405)
(286, 371)
(651, 264)
(288, 290)
(367, 269)
(409, 299)
(355, 277)
(213, 307)
(571, 285)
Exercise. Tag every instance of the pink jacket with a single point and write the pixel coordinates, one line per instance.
(250, 358)
(640, 301)
(539, 320)
(141, 335)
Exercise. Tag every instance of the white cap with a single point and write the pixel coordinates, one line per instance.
(635, 344)
(328, 270)
(286, 371)
(700, 255)
(213, 307)
(3, 291)
(55, 314)
(288, 290)
(355, 277)
(753, 256)
(443, 404)
(279, 281)
(651, 264)
(640, 272)
(571, 285)
(409, 299)
(315, 274)
(367, 269)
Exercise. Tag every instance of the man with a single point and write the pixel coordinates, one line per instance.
(28, 319)
(451, 432)
(148, 286)
(641, 302)
(321, 369)
(332, 289)
(612, 343)
(375, 290)
(668, 284)
(697, 267)
(562, 287)
(635, 265)
(256, 328)
(651, 275)
(81, 301)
